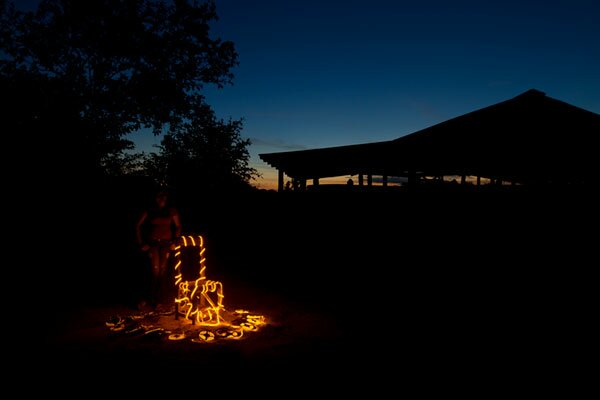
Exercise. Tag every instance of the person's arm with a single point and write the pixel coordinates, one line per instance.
(138, 231)
(177, 222)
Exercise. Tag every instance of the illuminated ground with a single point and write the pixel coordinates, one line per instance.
(450, 293)
(292, 333)
(162, 323)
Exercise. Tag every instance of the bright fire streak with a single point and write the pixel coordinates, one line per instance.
(202, 300)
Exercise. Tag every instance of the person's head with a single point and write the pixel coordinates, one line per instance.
(161, 199)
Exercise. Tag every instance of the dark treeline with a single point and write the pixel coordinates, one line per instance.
(76, 79)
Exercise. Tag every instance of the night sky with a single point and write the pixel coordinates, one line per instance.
(316, 73)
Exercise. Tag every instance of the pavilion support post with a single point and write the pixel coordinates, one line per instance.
(302, 184)
(384, 180)
(369, 180)
(360, 180)
(463, 179)
(478, 180)
(280, 181)
(315, 181)
(412, 178)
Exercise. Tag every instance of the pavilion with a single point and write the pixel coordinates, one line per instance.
(531, 139)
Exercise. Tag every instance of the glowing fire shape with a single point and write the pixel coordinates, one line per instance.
(198, 300)
(201, 300)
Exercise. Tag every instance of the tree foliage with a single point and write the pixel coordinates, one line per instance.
(84, 74)
(204, 152)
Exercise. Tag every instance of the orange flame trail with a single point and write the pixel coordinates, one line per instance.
(201, 300)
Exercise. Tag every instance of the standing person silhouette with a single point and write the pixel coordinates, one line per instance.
(155, 230)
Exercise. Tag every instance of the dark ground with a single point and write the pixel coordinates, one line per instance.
(437, 289)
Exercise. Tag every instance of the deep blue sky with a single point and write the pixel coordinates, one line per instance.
(319, 73)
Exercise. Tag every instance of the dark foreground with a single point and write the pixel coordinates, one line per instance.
(450, 290)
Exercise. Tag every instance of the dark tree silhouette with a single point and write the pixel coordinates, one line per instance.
(83, 74)
(203, 152)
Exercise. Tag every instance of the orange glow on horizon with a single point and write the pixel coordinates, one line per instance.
(269, 180)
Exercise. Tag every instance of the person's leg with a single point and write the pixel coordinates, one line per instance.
(163, 255)
(154, 254)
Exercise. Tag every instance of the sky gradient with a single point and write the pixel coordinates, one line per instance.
(316, 73)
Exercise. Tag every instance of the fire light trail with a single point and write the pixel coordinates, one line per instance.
(193, 295)
(201, 300)
(198, 300)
